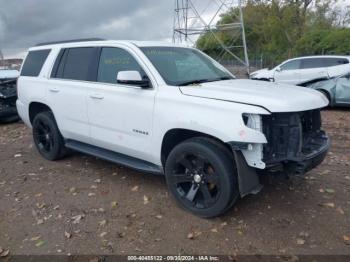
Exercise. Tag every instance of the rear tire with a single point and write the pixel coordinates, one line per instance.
(202, 177)
(47, 137)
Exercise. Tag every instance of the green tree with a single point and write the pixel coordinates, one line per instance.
(280, 29)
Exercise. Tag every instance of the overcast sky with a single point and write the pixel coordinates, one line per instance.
(24, 23)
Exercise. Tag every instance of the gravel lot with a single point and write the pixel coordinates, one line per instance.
(83, 205)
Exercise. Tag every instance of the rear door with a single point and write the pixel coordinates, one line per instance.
(121, 116)
(67, 92)
(288, 72)
(313, 68)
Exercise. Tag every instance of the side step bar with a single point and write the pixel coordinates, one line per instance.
(114, 157)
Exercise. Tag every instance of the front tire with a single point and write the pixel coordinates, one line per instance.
(47, 137)
(202, 177)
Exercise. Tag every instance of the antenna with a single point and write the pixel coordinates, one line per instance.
(193, 19)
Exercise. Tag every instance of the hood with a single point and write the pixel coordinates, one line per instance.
(262, 73)
(271, 96)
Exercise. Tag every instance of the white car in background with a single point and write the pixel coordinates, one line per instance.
(303, 69)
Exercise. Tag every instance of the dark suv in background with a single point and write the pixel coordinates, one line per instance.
(8, 95)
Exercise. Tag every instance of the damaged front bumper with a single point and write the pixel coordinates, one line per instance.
(8, 97)
(296, 142)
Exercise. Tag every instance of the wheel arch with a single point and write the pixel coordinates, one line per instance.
(36, 108)
(327, 93)
(175, 136)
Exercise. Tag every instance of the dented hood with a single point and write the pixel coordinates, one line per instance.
(272, 96)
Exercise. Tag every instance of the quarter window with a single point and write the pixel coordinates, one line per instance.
(112, 61)
(34, 62)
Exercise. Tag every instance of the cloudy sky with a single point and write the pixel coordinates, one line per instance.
(23, 23)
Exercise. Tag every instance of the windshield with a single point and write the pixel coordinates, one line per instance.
(184, 66)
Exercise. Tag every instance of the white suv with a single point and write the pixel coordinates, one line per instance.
(170, 110)
(303, 69)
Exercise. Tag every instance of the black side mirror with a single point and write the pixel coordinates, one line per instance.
(133, 78)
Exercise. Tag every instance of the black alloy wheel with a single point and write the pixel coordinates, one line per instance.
(47, 137)
(201, 175)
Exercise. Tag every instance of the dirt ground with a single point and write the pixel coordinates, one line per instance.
(83, 205)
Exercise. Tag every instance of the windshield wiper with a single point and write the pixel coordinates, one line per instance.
(199, 81)
(193, 82)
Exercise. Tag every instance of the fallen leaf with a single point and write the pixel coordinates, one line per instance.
(145, 200)
(40, 206)
(67, 235)
(190, 236)
(159, 216)
(35, 238)
(330, 191)
(102, 223)
(76, 219)
(103, 234)
(114, 204)
(4, 253)
(40, 221)
(40, 243)
(300, 241)
(135, 188)
(331, 205)
(214, 230)
(340, 210)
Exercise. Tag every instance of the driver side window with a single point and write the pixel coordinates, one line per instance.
(112, 61)
(291, 65)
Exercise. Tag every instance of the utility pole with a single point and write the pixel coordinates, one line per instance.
(193, 19)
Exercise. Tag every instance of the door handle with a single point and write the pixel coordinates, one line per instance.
(97, 96)
(54, 90)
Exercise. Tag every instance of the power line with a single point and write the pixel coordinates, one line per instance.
(191, 22)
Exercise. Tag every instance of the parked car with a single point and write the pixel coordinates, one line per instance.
(8, 95)
(336, 89)
(169, 110)
(302, 69)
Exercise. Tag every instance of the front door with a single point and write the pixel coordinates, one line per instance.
(121, 116)
(288, 72)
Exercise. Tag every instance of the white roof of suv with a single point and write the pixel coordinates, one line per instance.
(77, 43)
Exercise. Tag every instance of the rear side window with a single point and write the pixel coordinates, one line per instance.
(336, 61)
(312, 63)
(323, 62)
(74, 63)
(34, 62)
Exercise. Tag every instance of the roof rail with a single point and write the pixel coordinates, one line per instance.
(71, 41)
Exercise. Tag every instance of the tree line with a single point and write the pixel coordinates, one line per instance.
(281, 29)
